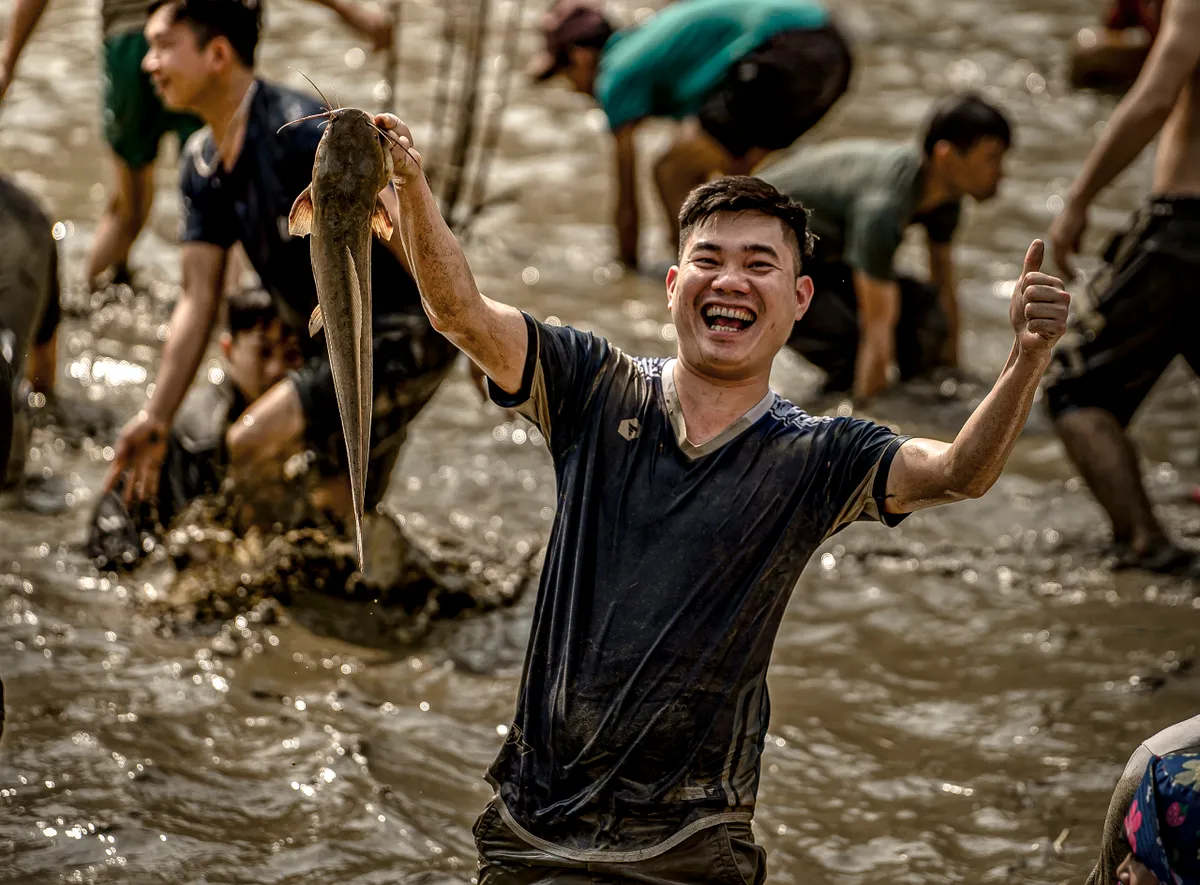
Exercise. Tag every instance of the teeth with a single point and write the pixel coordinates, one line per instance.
(735, 313)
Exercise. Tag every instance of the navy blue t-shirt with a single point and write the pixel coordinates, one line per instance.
(250, 204)
(643, 705)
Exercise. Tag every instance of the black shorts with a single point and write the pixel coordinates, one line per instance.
(827, 334)
(1145, 313)
(410, 361)
(778, 91)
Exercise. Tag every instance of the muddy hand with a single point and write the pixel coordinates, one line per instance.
(406, 162)
(1039, 305)
(140, 450)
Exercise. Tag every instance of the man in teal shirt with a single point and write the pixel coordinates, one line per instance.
(749, 76)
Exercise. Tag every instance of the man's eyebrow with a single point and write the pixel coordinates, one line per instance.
(705, 246)
(762, 247)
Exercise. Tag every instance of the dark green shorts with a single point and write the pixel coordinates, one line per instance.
(134, 118)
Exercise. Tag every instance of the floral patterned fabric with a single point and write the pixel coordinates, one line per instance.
(1162, 825)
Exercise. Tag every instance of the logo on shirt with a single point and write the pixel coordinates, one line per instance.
(629, 428)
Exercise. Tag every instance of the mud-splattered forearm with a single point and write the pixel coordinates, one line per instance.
(492, 334)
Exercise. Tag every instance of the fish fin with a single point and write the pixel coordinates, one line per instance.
(316, 321)
(301, 217)
(381, 220)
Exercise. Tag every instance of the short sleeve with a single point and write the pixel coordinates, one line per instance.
(559, 382)
(206, 216)
(857, 457)
(873, 235)
(941, 222)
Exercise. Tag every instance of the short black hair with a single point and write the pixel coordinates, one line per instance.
(962, 120)
(745, 193)
(250, 308)
(238, 21)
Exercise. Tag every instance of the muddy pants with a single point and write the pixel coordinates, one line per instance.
(1146, 312)
(827, 334)
(719, 855)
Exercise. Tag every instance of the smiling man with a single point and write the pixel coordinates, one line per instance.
(690, 498)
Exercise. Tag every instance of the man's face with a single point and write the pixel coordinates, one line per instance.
(260, 357)
(977, 171)
(735, 295)
(179, 66)
(580, 69)
(1133, 872)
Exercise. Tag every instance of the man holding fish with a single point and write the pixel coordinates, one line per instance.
(240, 179)
(690, 498)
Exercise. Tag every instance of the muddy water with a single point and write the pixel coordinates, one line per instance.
(952, 700)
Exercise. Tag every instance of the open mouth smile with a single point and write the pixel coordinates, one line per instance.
(728, 319)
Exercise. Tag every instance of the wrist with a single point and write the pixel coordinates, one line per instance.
(1031, 361)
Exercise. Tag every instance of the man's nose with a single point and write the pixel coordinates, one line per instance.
(149, 62)
(731, 278)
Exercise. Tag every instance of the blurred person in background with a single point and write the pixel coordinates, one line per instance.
(749, 77)
(1111, 56)
(134, 118)
(259, 349)
(29, 316)
(863, 195)
(1144, 312)
(240, 177)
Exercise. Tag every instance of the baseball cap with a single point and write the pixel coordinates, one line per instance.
(568, 23)
(1162, 825)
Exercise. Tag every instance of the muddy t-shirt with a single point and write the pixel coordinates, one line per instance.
(250, 204)
(862, 194)
(1182, 737)
(643, 704)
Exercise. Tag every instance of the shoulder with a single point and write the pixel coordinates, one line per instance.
(277, 106)
(1183, 735)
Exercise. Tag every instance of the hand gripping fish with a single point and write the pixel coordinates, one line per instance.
(341, 209)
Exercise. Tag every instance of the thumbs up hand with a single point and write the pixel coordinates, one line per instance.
(1039, 305)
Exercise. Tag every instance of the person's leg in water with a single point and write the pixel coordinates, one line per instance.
(134, 124)
(1103, 371)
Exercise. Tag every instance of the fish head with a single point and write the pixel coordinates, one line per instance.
(353, 152)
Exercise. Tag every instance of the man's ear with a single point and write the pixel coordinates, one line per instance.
(672, 282)
(226, 342)
(804, 294)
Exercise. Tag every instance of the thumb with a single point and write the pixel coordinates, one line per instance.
(1033, 258)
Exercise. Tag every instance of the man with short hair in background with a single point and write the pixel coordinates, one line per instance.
(863, 194)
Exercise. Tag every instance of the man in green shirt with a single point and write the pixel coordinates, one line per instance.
(134, 119)
(863, 194)
(749, 77)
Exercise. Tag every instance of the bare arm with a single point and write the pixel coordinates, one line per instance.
(627, 206)
(490, 333)
(941, 275)
(1133, 125)
(368, 21)
(926, 472)
(878, 311)
(25, 16)
(191, 325)
(1144, 110)
(142, 444)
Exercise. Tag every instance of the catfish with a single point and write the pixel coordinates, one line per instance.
(340, 210)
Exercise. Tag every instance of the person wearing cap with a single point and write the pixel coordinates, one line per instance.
(135, 120)
(748, 78)
(1129, 850)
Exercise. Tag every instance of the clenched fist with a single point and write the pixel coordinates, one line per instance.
(406, 162)
(1039, 305)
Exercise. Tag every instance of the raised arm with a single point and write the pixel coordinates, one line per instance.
(1134, 124)
(926, 472)
(25, 16)
(492, 334)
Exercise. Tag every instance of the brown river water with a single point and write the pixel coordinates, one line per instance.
(952, 700)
